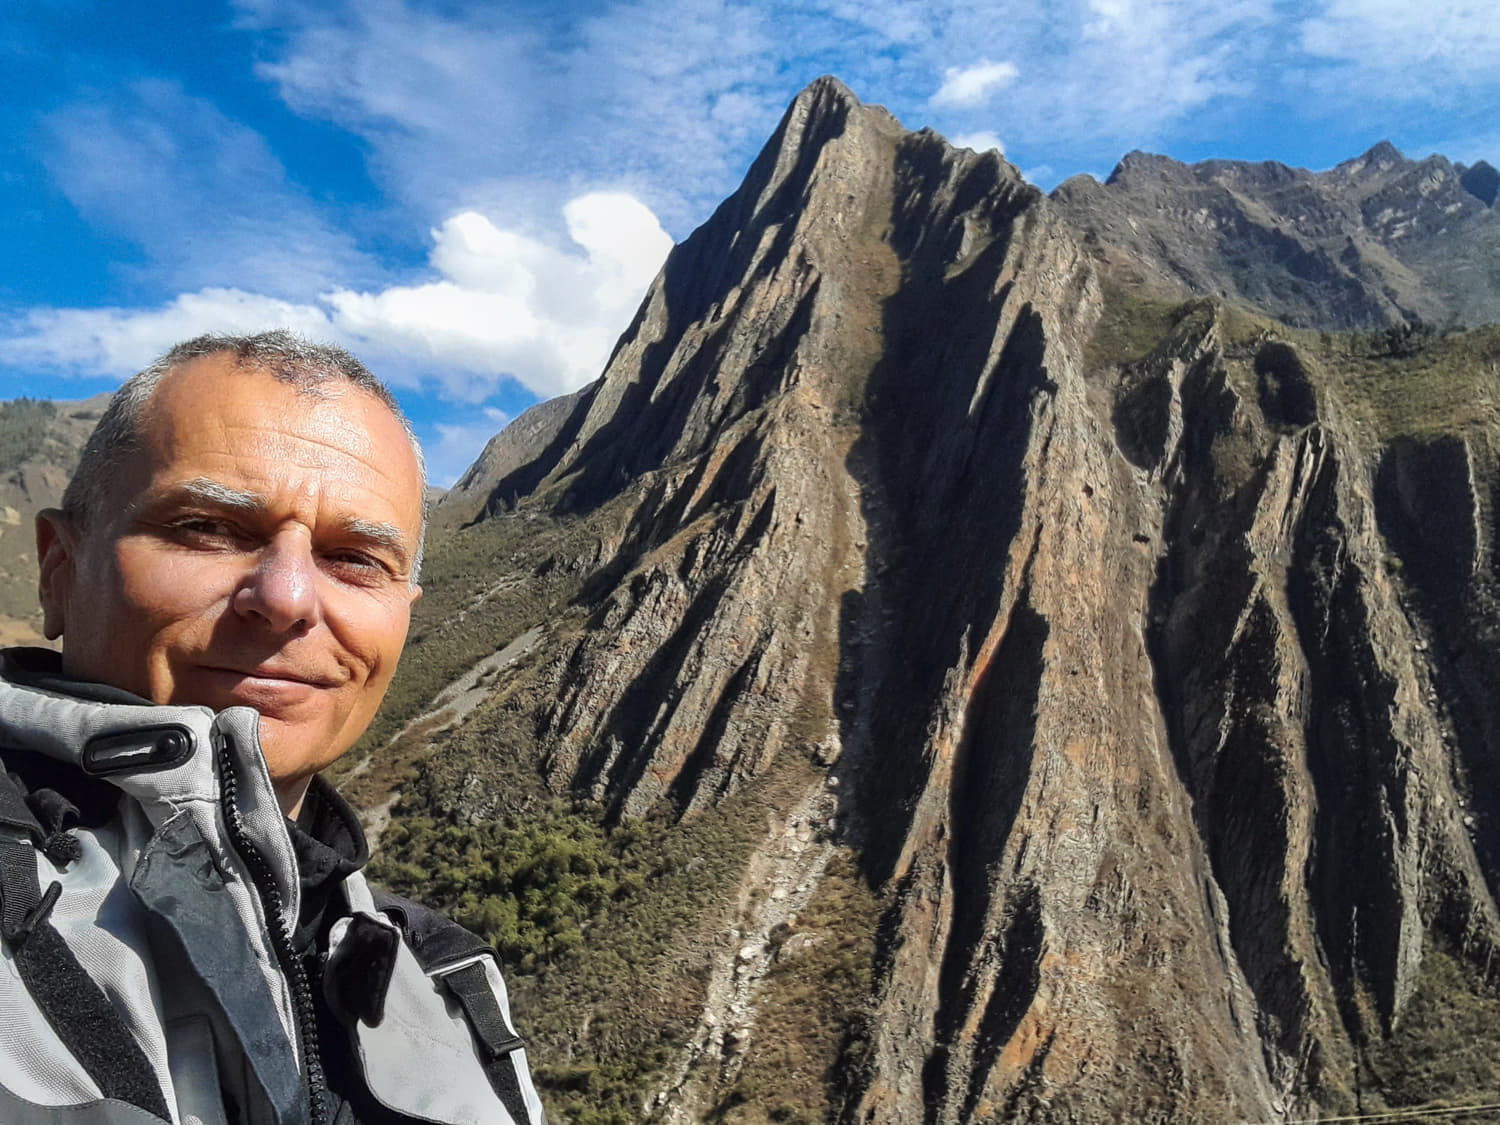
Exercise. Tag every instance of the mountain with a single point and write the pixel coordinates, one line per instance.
(1481, 181)
(939, 673)
(1377, 238)
(39, 446)
(977, 654)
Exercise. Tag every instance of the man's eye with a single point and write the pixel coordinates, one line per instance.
(354, 562)
(203, 527)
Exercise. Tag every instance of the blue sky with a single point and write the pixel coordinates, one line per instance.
(474, 197)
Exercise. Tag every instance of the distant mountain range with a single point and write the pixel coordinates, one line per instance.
(983, 655)
(1378, 238)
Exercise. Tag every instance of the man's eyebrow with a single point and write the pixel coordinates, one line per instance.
(212, 492)
(385, 534)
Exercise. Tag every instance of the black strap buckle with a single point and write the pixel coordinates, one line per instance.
(471, 988)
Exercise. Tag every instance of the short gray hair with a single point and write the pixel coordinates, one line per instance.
(291, 359)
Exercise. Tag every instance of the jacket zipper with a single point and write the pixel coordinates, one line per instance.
(264, 882)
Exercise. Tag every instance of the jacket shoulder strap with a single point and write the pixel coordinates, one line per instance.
(464, 965)
(72, 1003)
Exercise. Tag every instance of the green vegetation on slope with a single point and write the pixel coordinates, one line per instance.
(1444, 386)
(1131, 325)
(1446, 1046)
(23, 429)
(529, 889)
(608, 933)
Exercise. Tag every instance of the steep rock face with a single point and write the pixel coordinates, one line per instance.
(699, 663)
(1376, 239)
(1481, 181)
(1105, 671)
(1435, 505)
(1303, 716)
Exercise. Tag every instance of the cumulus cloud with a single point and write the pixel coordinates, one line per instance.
(973, 85)
(503, 304)
(506, 304)
(982, 141)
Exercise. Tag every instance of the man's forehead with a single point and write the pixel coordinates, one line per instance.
(220, 390)
(201, 389)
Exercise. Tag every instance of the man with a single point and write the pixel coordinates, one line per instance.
(186, 935)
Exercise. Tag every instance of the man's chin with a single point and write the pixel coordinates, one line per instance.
(292, 753)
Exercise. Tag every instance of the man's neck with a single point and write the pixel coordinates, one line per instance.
(290, 794)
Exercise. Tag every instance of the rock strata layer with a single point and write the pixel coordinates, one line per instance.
(1152, 683)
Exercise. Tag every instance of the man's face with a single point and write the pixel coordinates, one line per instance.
(256, 550)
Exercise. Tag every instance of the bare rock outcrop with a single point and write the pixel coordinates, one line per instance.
(1136, 658)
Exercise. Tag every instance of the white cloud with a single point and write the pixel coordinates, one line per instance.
(116, 341)
(973, 85)
(443, 99)
(503, 305)
(1042, 176)
(204, 196)
(1118, 74)
(982, 141)
(1107, 18)
(479, 106)
(1460, 37)
(1400, 67)
(507, 304)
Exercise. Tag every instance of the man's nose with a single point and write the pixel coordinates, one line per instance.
(281, 589)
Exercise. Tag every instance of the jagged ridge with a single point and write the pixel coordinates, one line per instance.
(1376, 239)
(1106, 659)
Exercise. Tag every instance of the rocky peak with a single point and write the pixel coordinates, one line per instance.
(1140, 166)
(1481, 181)
(1060, 627)
(1377, 160)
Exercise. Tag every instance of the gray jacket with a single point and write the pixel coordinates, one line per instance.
(178, 904)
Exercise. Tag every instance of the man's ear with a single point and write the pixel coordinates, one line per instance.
(55, 540)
